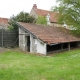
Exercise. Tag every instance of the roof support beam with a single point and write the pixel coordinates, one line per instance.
(69, 46)
(62, 46)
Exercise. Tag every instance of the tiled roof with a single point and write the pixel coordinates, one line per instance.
(4, 21)
(41, 12)
(53, 15)
(49, 34)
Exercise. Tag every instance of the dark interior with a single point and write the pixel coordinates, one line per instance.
(28, 43)
(60, 47)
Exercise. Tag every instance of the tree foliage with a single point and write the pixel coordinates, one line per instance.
(21, 17)
(69, 13)
(41, 20)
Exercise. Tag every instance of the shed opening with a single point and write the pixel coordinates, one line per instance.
(61, 46)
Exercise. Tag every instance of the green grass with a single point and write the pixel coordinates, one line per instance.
(14, 65)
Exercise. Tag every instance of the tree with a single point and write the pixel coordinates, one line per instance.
(41, 20)
(21, 17)
(69, 11)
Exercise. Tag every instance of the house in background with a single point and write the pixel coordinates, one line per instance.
(45, 39)
(8, 38)
(51, 17)
(4, 23)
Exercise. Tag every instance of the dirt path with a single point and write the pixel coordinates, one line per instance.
(3, 50)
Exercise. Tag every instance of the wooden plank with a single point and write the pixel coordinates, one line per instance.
(69, 46)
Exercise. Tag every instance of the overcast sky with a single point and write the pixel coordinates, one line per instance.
(10, 7)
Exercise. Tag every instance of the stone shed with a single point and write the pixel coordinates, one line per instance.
(45, 39)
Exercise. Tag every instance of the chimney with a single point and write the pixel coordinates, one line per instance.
(34, 6)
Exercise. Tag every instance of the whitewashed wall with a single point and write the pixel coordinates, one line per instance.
(21, 39)
(32, 13)
(36, 45)
(41, 47)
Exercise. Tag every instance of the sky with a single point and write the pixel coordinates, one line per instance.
(14, 7)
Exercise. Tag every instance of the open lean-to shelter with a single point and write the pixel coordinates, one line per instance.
(45, 39)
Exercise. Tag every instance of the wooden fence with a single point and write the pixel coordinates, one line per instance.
(8, 38)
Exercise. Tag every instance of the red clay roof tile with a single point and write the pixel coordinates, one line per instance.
(41, 12)
(4, 21)
(53, 15)
(50, 34)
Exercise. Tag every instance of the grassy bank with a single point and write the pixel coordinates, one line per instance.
(15, 65)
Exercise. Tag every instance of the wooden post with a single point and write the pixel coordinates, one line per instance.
(69, 46)
(2, 37)
(62, 46)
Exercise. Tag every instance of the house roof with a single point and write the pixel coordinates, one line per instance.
(49, 34)
(4, 21)
(41, 12)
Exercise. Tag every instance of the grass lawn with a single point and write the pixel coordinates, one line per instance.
(14, 65)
